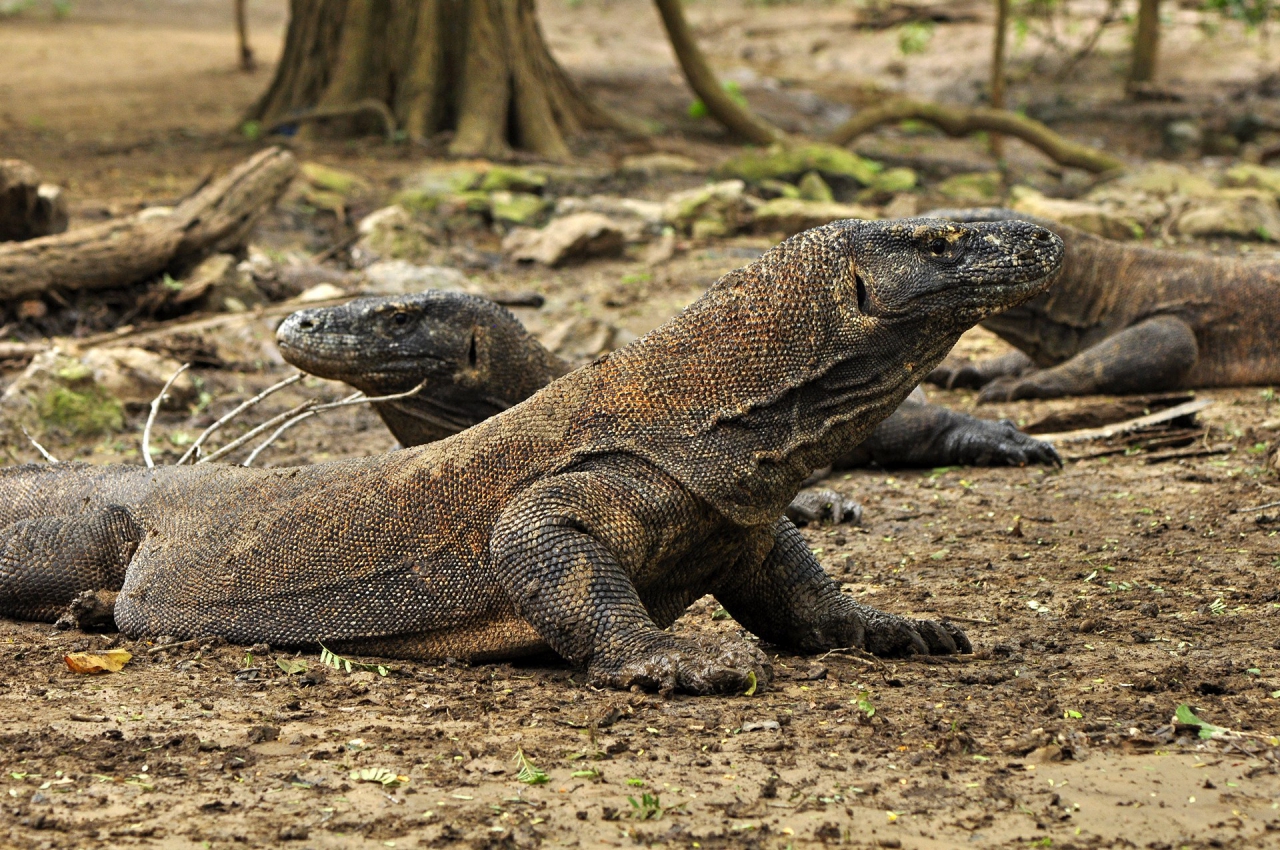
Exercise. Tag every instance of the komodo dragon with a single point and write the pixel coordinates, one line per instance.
(1124, 318)
(477, 360)
(584, 519)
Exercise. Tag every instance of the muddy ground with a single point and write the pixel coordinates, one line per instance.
(1100, 597)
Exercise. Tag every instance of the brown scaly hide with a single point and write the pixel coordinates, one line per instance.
(1127, 318)
(589, 516)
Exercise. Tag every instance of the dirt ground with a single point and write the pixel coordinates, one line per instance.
(1099, 597)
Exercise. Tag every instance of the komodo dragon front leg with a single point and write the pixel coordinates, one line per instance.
(1150, 356)
(590, 558)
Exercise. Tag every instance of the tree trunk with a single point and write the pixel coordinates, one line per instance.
(480, 68)
(1146, 42)
(997, 69)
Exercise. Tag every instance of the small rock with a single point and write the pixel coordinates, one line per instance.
(790, 161)
(503, 179)
(217, 282)
(717, 209)
(761, 726)
(813, 188)
(638, 219)
(574, 237)
(649, 164)
(319, 292)
(392, 233)
(56, 392)
(1046, 754)
(296, 832)
(791, 215)
(895, 180)
(1091, 218)
(330, 179)
(28, 208)
(1164, 179)
(517, 208)
(1250, 176)
(397, 277)
(581, 338)
(135, 376)
(1182, 137)
(1238, 213)
(974, 187)
(262, 734)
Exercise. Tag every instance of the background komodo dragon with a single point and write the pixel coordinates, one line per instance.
(1124, 318)
(586, 518)
(477, 360)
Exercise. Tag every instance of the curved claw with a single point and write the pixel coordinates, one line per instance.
(961, 376)
(820, 504)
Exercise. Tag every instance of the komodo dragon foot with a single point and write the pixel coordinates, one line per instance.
(697, 666)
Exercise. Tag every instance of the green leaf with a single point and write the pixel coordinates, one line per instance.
(381, 775)
(292, 665)
(530, 774)
(1187, 717)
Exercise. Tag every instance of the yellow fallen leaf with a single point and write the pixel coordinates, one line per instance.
(107, 661)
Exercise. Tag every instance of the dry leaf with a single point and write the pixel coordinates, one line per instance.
(107, 661)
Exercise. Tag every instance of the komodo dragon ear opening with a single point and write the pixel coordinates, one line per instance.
(862, 290)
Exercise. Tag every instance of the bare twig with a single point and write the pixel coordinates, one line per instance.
(155, 410)
(1254, 509)
(208, 432)
(253, 432)
(45, 454)
(1187, 409)
(356, 398)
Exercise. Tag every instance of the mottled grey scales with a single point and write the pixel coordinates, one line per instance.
(584, 519)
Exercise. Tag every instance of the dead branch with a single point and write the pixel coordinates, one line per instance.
(959, 121)
(354, 398)
(208, 432)
(1107, 431)
(117, 253)
(155, 409)
(43, 451)
(737, 119)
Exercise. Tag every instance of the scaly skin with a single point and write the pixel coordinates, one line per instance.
(477, 359)
(584, 519)
(1125, 318)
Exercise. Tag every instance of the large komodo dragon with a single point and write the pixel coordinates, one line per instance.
(586, 518)
(1123, 318)
(476, 360)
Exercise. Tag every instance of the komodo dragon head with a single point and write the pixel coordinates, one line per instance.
(787, 363)
(460, 345)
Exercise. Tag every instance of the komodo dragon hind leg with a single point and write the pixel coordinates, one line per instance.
(1150, 356)
(46, 562)
(789, 600)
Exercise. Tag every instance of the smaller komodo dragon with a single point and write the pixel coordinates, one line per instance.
(476, 360)
(584, 519)
(1126, 318)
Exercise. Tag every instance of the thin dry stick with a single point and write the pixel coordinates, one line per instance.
(208, 432)
(253, 432)
(155, 410)
(39, 447)
(355, 398)
(1238, 510)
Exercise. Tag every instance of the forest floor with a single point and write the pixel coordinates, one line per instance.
(1100, 597)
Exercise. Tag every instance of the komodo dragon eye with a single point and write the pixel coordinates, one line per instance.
(939, 246)
(399, 320)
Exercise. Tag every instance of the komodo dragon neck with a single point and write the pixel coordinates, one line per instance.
(784, 365)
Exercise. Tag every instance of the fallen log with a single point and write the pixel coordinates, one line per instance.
(118, 253)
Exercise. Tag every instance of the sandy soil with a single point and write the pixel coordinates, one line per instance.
(1100, 597)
